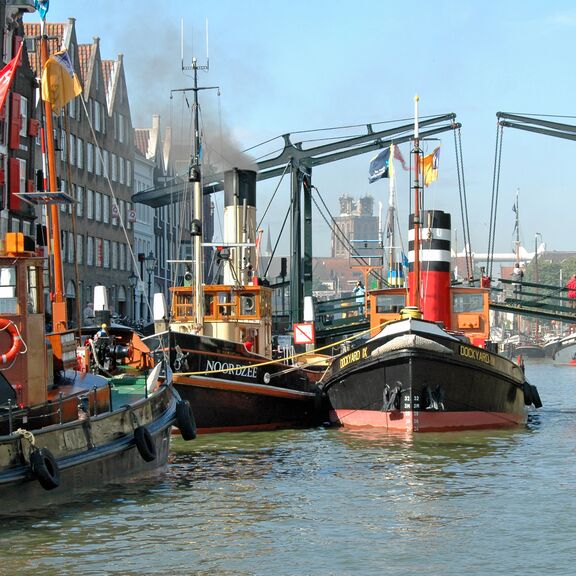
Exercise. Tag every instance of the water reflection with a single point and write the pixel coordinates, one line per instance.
(330, 501)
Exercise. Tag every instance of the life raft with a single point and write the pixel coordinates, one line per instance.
(10, 327)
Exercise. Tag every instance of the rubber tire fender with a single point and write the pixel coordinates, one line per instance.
(535, 397)
(45, 468)
(185, 421)
(145, 443)
(528, 394)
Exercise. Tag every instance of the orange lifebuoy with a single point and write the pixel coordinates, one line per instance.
(8, 325)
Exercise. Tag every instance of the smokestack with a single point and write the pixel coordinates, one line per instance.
(435, 246)
(240, 224)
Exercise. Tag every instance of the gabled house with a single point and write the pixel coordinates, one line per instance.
(95, 160)
(18, 127)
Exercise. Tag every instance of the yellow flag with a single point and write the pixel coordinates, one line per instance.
(59, 82)
(430, 166)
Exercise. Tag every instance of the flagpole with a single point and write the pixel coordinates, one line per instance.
(414, 296)
(59, 312)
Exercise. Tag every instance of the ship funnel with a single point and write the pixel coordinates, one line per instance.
(240, 226)
(435, 243)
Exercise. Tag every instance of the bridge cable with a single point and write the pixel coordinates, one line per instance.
(494, 200)
(335, 228)
(463, 204)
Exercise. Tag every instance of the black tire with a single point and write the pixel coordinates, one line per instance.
(536, 397)
(45, 468)
(145, 443)
(528, 395)
(185, 420)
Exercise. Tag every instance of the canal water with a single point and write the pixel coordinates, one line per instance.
(330, 501)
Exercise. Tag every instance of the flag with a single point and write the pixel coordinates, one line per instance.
(430, 166)
(398, 156)
(7, 75)
(59, 82)
(42, 7)
(379, 166)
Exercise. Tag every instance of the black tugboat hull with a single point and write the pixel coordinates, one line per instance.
(88, 454)
(433, 385)
(231, 389)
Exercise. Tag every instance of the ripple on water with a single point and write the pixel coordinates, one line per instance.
(331, 501)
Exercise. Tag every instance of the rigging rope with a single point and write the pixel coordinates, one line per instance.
(494, 200)
(463, 204)
(340, 234)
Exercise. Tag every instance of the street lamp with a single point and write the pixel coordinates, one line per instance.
(150, 265)
(133, 279)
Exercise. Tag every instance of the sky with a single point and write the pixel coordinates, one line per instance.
(309, 65)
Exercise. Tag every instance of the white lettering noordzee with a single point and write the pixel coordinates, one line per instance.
(239, 369)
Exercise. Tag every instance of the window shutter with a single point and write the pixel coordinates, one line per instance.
(33, 126)
(14, 203)
(14, 139)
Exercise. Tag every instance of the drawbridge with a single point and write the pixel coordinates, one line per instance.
(339, 317)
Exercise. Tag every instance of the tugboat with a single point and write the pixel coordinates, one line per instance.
(60, 431)
(220, 334)
(429, 364)
(222, 356)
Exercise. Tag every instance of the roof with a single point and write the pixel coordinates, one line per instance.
(141, 140)
(55, 33)
(84, 55)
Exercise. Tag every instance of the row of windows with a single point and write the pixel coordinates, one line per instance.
(99, 207)
(100, 253)
(98, 116)
(99, 162)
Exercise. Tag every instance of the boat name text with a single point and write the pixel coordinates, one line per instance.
(237, 369)
(476, 354)
(354, 356)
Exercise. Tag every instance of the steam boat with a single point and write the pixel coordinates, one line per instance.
(61, 430)
(232, 387)
(429, 364)
(220, 333)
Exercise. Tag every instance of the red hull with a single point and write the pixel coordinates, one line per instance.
(425, 421)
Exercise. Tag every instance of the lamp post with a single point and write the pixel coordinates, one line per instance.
(133, 279)
(141, 258)
(150, 265)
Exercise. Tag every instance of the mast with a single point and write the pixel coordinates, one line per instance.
(59, 313)
(414, 297)
(195, 177)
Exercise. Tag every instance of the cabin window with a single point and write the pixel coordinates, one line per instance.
(390, 303)
(8, 300)
(467, 303)
(33, 304)
(225, 305)
(209, 305)
(247, 304)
